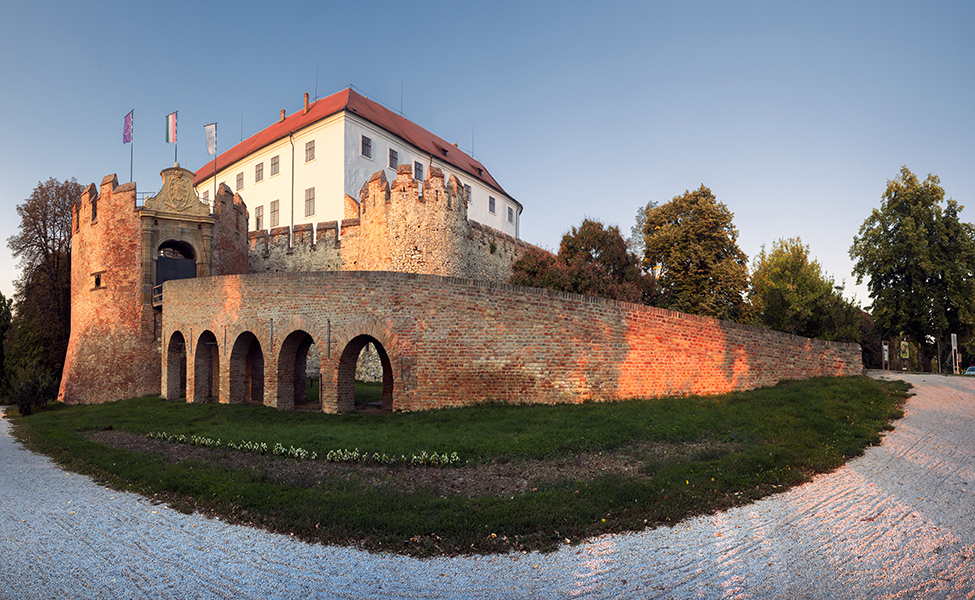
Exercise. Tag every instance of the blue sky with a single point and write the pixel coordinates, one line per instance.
(795, 114)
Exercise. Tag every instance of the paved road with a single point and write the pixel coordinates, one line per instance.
(896, 523)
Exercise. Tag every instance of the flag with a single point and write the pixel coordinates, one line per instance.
(211, 130)
(171, 128)
(127, 128)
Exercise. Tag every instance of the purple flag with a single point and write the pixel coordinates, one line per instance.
(127, 128)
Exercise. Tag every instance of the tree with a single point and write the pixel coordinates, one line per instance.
(593, 260)
(5, 318)
(920, 262)
(42, 313)
(691, 242)
(790, 293)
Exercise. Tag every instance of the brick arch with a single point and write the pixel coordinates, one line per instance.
(291, 362)
(345, 376)
(367, 324)
(206, 369)
(176, 353)
(350, 340)
(246, 370)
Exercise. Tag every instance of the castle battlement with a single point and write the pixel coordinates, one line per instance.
(404, 225)
(121, 255)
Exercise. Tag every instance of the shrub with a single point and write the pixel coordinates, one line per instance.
(32, 389)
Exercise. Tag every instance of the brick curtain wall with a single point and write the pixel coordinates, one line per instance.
(453, 342)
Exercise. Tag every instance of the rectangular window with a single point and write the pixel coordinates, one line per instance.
(206, 195)
(511, 215)
(274, 213)
(258, 172)
(468, 191)
(491, 204)
(366, 147)
(94, 209)
(418, 170)
(275, 165)
(240, 180)
(309, 202)
(259, 218)
(393, 159)
(310, 151)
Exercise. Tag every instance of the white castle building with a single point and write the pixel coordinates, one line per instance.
(302, 168)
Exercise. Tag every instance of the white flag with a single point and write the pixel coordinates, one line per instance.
(211, 130)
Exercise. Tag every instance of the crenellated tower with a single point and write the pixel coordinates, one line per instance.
(122, 253)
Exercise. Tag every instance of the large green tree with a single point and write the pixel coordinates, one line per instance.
(593, 260)
(692, 244)
(42, 309)
(790, 292)
(919, 260)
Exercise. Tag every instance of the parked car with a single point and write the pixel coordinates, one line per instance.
(970, 370)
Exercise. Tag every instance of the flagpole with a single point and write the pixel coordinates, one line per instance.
(175, 138)
(132, 146)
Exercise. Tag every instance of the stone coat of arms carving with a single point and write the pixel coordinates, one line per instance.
(177, 194)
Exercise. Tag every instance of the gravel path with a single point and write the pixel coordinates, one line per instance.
(898, 522)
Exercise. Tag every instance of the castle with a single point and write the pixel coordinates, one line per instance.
(178, 298)
(410, 275)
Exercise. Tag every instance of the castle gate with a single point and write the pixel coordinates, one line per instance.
(452, 342)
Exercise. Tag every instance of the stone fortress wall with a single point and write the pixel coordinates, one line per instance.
(446, 342)
(405, 225)
(405, 272)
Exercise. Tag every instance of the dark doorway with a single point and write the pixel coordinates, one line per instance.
(175, 260)
(348, 399)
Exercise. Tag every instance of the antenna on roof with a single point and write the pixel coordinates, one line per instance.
(316, 80)
(242, 124)
(401, 97)
(472, 142)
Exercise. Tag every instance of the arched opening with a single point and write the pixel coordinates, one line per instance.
(247, 370)
(297, 357)
(206, 369)
(175, 260)
(348, 398)
(176, 367)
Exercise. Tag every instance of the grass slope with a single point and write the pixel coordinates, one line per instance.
(740, 447)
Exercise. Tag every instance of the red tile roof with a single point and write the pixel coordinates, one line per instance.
(369, 110)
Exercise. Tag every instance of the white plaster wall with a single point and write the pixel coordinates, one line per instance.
(359, 169)
(338, 169)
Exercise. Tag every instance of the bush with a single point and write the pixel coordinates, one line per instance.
(32, 389)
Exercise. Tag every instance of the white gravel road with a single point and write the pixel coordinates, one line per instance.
(898, 522)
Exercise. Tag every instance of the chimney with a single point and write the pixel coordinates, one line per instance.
(306, 103)
(282, 114)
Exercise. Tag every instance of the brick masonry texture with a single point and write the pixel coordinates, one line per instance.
(452, 342)
(114, 347)
(112, 352)
(404, 270)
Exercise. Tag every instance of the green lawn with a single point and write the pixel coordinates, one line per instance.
(755, 443)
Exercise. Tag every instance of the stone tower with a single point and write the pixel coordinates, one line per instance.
(121, 255)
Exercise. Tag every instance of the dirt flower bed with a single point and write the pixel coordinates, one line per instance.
(492, 479)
